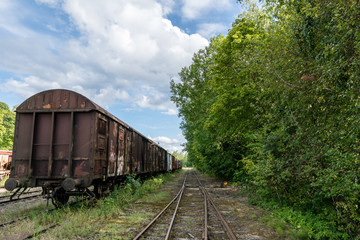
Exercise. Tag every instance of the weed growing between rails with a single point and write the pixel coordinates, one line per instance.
(84, 219)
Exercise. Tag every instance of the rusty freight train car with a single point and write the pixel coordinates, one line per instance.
(5, 161)
(66, 143)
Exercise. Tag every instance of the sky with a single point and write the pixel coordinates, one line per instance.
(121, 54)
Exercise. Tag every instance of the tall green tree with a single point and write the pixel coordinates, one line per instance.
(7, 124)
(182, 156)
(275, 104)
(193, 96)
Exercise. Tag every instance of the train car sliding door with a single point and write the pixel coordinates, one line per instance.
(112, 148)
(42, 144)
(61, 145)
(101, 147)
(127, 152)
(80, 152)
(121, 152)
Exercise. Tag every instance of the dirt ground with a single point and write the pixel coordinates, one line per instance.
(243, 218)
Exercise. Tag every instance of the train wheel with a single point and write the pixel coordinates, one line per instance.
(59, 197)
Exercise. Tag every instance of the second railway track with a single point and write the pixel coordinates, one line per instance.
(5, 199)
(192, 214)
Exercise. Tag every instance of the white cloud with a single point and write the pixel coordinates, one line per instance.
(8, 20)
(122, 50)
(211, 29)
(51, 3)
(28, 86)
(167, 5)
(194, 9)
(170, 111)
(169, 144)
(166, 140)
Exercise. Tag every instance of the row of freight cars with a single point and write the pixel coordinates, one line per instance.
(66, 143)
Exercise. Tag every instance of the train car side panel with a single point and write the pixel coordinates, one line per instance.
(163, 160)
(61, 144)
(82, 160)
(42, 144)
(112, 148)
(22, 145)
(101, 146)
(127, 162)
(143, 155)
(120, 163)
(173, 163)
(133, 161)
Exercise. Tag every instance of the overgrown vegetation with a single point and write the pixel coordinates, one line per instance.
(275, 105)
(90, 220)
(182, 156)
(7, 123)
(108, 218)
(2, 182)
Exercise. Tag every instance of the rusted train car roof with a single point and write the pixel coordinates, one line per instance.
(65, 100)
(5, 152)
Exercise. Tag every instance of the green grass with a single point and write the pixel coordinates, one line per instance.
(113, 217)
(107, 218)
(2, 182)
(298, 224)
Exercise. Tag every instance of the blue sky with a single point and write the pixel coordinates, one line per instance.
(121, 54)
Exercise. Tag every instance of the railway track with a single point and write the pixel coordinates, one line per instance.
(25, 193)
(45, 229)
(20, 199)
(192, 214)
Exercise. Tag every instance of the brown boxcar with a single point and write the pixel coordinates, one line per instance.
(5, 161)
(173, 163)
(65, 143)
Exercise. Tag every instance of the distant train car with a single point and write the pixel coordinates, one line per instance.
(5, 162)
(169, 163)
(66, 143)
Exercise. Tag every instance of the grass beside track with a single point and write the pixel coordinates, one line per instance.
(107, 218)
(2, 182)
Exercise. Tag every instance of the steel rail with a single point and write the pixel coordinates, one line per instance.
(162, 211)
(41, 231)
(19, 199)
(25, 193)
(205, 233)
(225, 225)
(46, 210)
(174, 215)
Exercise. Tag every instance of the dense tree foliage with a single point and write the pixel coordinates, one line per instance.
(182, 156)
(275, 105)
(7, 122)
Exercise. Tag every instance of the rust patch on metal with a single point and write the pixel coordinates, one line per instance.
(20, 170)
(64, 171)
(47, 106)
(81, 169)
